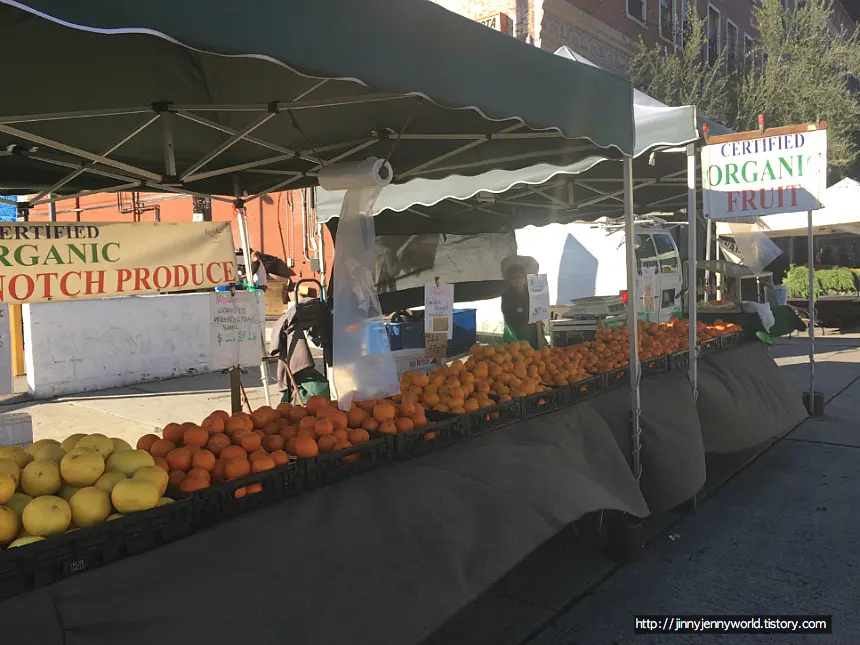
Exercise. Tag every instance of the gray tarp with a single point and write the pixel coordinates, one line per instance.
(298, 83)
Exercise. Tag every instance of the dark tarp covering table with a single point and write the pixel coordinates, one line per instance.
(389, 556)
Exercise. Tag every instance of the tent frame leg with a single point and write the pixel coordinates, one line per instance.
(632, 319)
(692, 252)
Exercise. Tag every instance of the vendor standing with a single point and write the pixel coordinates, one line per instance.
(515, 307)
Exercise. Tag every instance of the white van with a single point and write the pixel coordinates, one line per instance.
(584, 260)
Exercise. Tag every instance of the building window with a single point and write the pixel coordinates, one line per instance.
(749, 46)
(668, 20)
(636, 10)
(684, 31)
(714, 43)
(732, 47)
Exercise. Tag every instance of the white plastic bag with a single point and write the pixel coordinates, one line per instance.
(363, 365)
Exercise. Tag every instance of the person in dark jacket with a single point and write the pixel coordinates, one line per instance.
(515, 305)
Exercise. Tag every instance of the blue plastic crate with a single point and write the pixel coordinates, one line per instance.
(465, 334)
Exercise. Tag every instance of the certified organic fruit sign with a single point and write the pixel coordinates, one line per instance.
(53, 262)
(748, 175)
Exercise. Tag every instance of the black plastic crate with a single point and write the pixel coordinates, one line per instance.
(617, 377)
(655, 365)
(544, 402)
(228, 499)
(487, 419)
(330, 467)
(679, 360)
(446, 429)
(63, 556)
(709, 346)
(732, 339)
(585, 389)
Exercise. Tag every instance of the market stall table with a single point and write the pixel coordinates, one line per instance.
(416, 541)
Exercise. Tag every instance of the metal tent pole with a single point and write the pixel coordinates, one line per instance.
(812, 401)
(632, 318)
(692, 252)
(246, 254)
(708, 226)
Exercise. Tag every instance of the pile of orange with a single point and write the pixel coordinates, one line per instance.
(506, 372)
(516, 369)
(222, 448)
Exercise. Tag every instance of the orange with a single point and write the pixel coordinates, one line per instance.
(357, 437)
(195, 436)
(236, 437)
(146, 441)
(162, 463)
(217, 443)
(174, 478)
(384, 411)
(193, 448)
(179, 459)
(340, 434)
(419, 420)
(327, 443)
(257, 454)
(240, 492)
(315, 403)
(160, 447)
(280, 457)
(290, 446)
(367, 405)
(233, 452)
(203, 459)
(255, 488)
(273, 442)
(271, 429)
(288, 432)
(370, 424)
(218, 471)
(262, 464)
(262, 417)
(213, 424)
(236, 468)
(404, 425)
(323, 428)
(172, 432)
(221, 414)
(297, 414)
(355, 416)
(306, 448)
(192, 484)
(388, 427)
(284, 408)
(199, 473)
(306, 433)
(407, 409)
(251, 442)
(339, 419)
(307, 423)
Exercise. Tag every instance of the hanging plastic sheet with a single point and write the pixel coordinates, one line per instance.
(756, 248)
(363, 366)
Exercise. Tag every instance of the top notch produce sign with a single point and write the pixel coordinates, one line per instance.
(748, 175)
(52, 262)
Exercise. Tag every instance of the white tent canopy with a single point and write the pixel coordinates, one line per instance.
(841, 214)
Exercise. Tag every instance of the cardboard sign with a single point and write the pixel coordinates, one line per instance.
(5, 352)
(234, 329)
(439, 309)
(746, 176)
(436, 345)
(538, 298)
(52, 262)
(647, 287)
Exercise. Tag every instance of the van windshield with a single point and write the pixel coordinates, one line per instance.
(666, 252)
(646, 255)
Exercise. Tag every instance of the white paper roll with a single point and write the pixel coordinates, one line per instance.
(370, 173)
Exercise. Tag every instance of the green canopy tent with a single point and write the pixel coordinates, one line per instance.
(191, 97)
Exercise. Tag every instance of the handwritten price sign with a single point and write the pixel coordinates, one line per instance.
(234, 329)
(538, 298)
(439, 309)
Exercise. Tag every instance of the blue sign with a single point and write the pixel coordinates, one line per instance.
(8, 212)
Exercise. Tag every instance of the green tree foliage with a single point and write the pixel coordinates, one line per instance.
(682, 76)
(809, 74)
